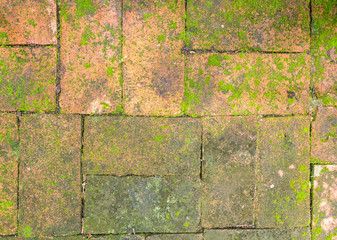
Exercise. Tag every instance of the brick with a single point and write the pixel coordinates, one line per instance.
(50, 181)
(154, 66)
(175, 237)
(141, 146)
(283, 195)
(141, 204)
(28, 22)
(259, 234)
(324, 136)
(247, 83)
(248, 25)
(44, 238)
(90, 56)
(229, 171)
(8, 173)
(324, 202)
(27, 79)
(120, 237)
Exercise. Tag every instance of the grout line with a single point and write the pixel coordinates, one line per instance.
(310, 22)
(28, 45)
(58, 63)
(81, 173)
(18, 122)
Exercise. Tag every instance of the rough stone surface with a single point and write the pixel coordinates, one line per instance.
(175, 237)
(27, 79)
(324, 136)
(267, 25)
(154, 65)
(90, 56)
(141, 146)
(253, 234)
(229, 160)
(120, 237)
(8, 173)
(28, 22)
(141, 204)
(325, 202)
(50, 182)
(44, 238)
(283, 193)
(247, 83)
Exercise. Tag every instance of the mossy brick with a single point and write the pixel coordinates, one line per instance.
(247, 83)
(8, 173)
(258, 234)
(50, 180)
(324, 225)
(229, 161)
(323, 51)
(324, 136)
(120, 237)
(28, 22)
(44, 238)
(283, 189)
(154, 65)
(175, 237)
(141, 204)
(267, 25)
(90, 56)
(27, 79)
(141, 146)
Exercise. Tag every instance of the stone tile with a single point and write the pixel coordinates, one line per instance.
(324, 136)
(283, 194)
(141, 204)
(325, 202)
(154, 65)
(247, 83)
(90, 56)
(262, 234)
(229, 171)
(50, 181)
(27, 79)
(8, 173)
(120, 237)
(175, 237)
(141, 146)
(28, 22)
(248, 25)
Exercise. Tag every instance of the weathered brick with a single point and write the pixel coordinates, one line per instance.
(283, 194)
(27, 79)
(141, 146)
(120, 237)
(324, 135)
(90, 56)
(141, 204)
(8, 174)
(244, 25)
(44, 238)
(231, 84)
(261, 234)
(229, 171)
(50, 181)
(175, 237)
(154, 66)
(28, 22)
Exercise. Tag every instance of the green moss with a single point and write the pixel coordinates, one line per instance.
(214, 60)
(85, 7)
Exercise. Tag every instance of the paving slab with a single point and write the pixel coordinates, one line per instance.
(247, 83)
(50, 181)
(120, 237)
(229, 166)
(248, 25)
(8, 173)
(28, 22)
(154, 65)
(43, 238)
(90, 56)
(142, 146)
(27, 79)
(283, 190)
(175, 237)
(141, 204)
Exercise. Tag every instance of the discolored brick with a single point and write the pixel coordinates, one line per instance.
(248, 25)
(8, 173)
(28, 22)
(141, 146)
(141, 204)
(324, 136)
(154, 65)
(283, 195)
(120, 237)
(229, 163)
(27, 79)
(247, 83)
(50, 181)
(90, 56)
(175, 237)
